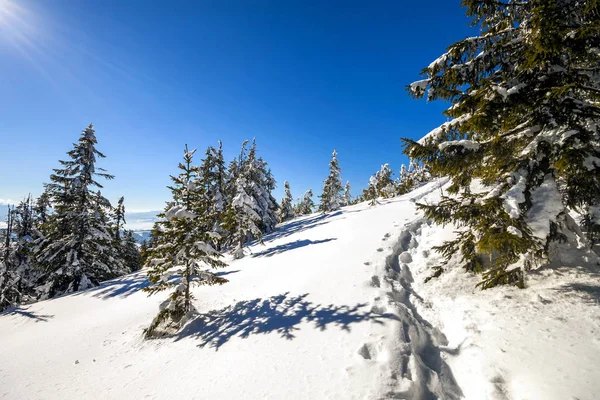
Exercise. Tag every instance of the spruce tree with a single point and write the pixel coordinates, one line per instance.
(131, 252)
(525, 112)
(10, 295)
(306, 205)
(213, 179)
(331, 198)
(181, 249)
(286, 210)
(40, 209)
(243, 219)
(76, 249)
(119, 218)
(347, 194)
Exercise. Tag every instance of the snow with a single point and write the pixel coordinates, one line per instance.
(466, 144)
(514, 197)
(437, 133)
(333, 306)
(546, 205)
(514, 231)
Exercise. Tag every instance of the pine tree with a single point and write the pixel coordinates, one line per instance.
(525, 99)
(306, 205)
(119, 217)
(261, 183)
(286, 210)
(131, 252)
(331, 198)
(213, 179)
(181, 248)
(40, 210)
(10, 295)
(243, 219)
(347, 194)
(76, 249)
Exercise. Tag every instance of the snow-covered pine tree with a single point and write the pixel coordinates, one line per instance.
(24, 231)
(131, 252)
(243, 217)
(76, 248)
(119, 218)
(347, 194)
(10, 295)
(40, 209)
(305, 205)
(181, 247)
(286, 210)
(331, 198)
(525, 99)
(261, 183)
(212, 179)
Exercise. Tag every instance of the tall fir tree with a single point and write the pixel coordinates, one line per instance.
(347, 194)
(286, 210)
(10, 295)
(525, 97)
(331, 198)
(76, 249)
(213, 179)
(119, 218)
(305, 205)
(243, 218)
(181, 249)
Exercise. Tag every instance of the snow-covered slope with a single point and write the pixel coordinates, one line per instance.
(331, 307)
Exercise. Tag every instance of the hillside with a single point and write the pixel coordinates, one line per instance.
(333, 306)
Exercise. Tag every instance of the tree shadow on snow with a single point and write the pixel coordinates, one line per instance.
(281, 314)
(590, 293)
(24, 312)
(300, 225)
(290, 246)
(120, 287)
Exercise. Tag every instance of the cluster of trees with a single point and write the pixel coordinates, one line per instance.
(71, 238)
(525, 109)
(382, 185)
(214, 208)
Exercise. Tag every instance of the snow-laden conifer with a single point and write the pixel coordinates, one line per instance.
(306, 205)
(76, 248)
(286, 210)
(331, 197)
(525, 112)
(181, 254)
(347, 194)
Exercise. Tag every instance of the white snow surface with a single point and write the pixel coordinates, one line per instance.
(333, 306)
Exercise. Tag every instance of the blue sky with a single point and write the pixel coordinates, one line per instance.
(303, 77)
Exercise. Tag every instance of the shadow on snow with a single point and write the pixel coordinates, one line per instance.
(281, 314)
(24, 312)
(290, 246)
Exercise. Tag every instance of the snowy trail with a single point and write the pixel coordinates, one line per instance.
(332, 307)
(293, 322)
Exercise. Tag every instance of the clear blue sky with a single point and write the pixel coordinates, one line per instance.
(303, 77)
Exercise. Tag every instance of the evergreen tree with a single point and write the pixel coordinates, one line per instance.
(181, 248)
(331, 198)
(119, 217)
(76, 249)
(525, 95)
(286, 210)
(131, 252)
(10, 295)
(213, 179)
(243, 219)
(40, 210)
(261, 183)
(306, 205)
(347, 194)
